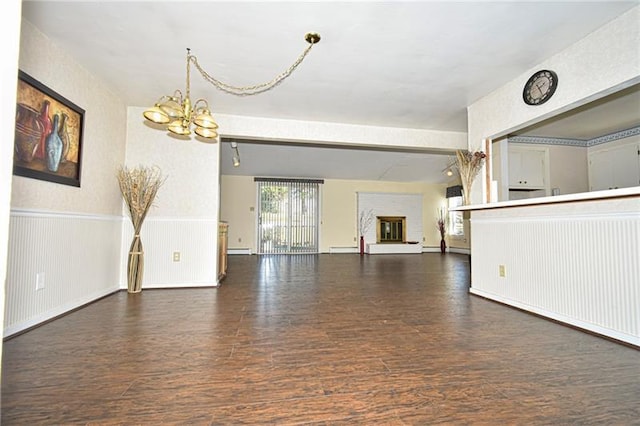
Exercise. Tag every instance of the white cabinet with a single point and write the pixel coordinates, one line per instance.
(616, 167)
(527, 168)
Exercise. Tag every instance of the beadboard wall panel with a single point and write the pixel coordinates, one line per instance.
(76, 256)
(194, 239)
(579, 264)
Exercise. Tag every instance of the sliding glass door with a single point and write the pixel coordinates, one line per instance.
(288, 215)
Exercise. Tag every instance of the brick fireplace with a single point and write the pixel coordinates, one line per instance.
(398, 226)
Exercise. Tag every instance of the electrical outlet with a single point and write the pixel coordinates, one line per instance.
(502, 271)
(40, 281)
(176, 256)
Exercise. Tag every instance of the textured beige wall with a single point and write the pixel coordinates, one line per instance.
(338, 203)
(191, 167)
(569, 169)
(237, 208)
(606, 60)
(104, 139)
(339, 214)
(74, 232)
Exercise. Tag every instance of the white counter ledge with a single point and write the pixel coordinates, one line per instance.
(583, 196)
(572, 258)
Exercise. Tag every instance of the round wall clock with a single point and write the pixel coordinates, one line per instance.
(540, 87)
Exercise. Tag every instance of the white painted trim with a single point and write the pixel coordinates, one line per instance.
(181, 219)
(333, 250)
(459, 250)
(181, 285)
(634, 340)
(386, 248)
(448, 250)
(233, 251)
(558, 199)
(430, 249)
(548, 217)
(54, 214)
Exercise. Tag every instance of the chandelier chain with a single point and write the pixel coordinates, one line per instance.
(249, 90)
(188, 87)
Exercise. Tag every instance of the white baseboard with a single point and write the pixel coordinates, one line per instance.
(394, 248)
(459, 250)
(594, 328)
(430, 249)
(344, 250)
(239, 251)
(449, 250)
(56, 312)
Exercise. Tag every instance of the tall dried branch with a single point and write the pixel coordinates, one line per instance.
(469, 165)
(442, 222)
(139, 187)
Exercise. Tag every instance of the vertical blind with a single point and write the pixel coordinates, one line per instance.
(288, 215)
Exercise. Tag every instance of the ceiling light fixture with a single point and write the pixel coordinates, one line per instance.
(449, 169)
(236, 154)
(179, 114)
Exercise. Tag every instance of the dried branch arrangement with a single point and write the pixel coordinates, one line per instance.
(469, 165)
(366, 218)
(138, 187)
(441, 223)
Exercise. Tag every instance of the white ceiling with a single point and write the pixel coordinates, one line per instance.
(396, 64)
(618, 111)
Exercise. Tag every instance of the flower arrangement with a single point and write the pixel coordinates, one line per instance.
(441, 223)
(364, 222)
(138, 187)
(469, 165)
(366, 218)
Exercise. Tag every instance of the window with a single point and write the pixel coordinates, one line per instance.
(456, 222)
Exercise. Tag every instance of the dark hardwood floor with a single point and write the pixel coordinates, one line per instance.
(323, 340)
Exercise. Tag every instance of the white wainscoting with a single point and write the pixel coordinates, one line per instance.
(77, 255)
(196, 239)
(84, 257)
(576, 263)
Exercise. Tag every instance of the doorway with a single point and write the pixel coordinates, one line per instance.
(288, 215)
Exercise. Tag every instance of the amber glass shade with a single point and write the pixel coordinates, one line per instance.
(172, 108)
(204, 119)
(156, 115)
(206, 133)
(179, 127)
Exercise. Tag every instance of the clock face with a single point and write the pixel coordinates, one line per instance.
(540, 87)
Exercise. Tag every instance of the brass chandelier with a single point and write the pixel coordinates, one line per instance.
(180, 115)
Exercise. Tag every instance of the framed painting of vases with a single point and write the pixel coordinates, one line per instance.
(48, 135)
